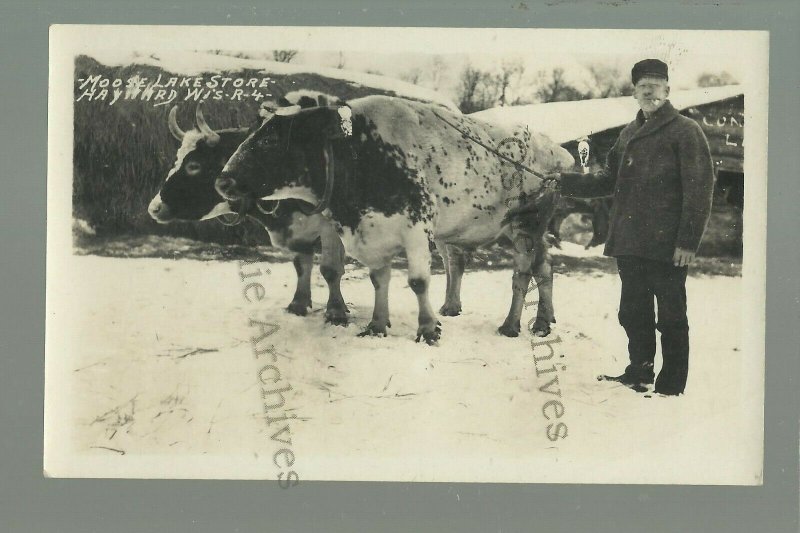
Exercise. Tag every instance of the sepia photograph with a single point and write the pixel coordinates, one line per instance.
(406, 254)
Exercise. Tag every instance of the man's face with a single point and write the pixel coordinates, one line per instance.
(651, 93)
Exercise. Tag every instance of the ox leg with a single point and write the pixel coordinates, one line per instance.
(303, 263)
(441, 247)
(555, 228)
(380, 313)
(332, 269)
(523, 272)
(419, 279)
(457, 260)
(454, 260)
(543, 275)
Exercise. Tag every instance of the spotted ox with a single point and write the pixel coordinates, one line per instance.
(188, 194)
(394, 174)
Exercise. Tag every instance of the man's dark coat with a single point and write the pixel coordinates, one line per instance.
(661, 175)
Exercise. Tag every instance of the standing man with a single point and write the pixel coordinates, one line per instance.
(661, 175)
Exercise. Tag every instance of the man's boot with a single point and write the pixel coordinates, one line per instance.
(635, 377)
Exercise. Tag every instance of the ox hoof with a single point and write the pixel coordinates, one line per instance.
(541, 328)
(509, 330)
(450, 310)
(375, 330)
(337, 317)
(431, 338)
(299, 308)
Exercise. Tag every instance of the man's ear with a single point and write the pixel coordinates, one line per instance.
(667, 90)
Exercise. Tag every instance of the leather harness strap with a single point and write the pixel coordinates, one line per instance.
(327, 153)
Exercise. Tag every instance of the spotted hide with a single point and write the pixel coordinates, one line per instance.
(394, 174)
(188, 194)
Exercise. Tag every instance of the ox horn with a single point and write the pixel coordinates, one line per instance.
(212, 137)
(174, 129)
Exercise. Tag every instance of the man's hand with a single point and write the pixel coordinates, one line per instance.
(682, 257)
(552, 176)
(552, 179)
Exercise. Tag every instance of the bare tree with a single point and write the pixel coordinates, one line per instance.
(610, 82)
(468, 86)
(412, 75)
(553, 87)
(341, 62)
(708, 79)
(477, 90)
(284, 56)
(438, 67)
(510, 73)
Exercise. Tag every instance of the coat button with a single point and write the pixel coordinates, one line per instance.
(629, 162)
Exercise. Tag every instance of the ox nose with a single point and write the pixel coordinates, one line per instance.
(158, 210)
(226, 186)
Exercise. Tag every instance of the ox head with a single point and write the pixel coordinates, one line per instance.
(285, 157)
(188, 192)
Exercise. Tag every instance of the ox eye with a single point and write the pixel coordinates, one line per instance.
(193, 168)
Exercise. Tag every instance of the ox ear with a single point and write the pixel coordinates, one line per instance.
(343, 123)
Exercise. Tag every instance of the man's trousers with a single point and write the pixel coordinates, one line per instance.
(644, 280)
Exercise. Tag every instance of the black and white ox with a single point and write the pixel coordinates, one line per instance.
(394, 174)
(188, 194)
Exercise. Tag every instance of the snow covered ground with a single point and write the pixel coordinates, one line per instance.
(151, 373)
